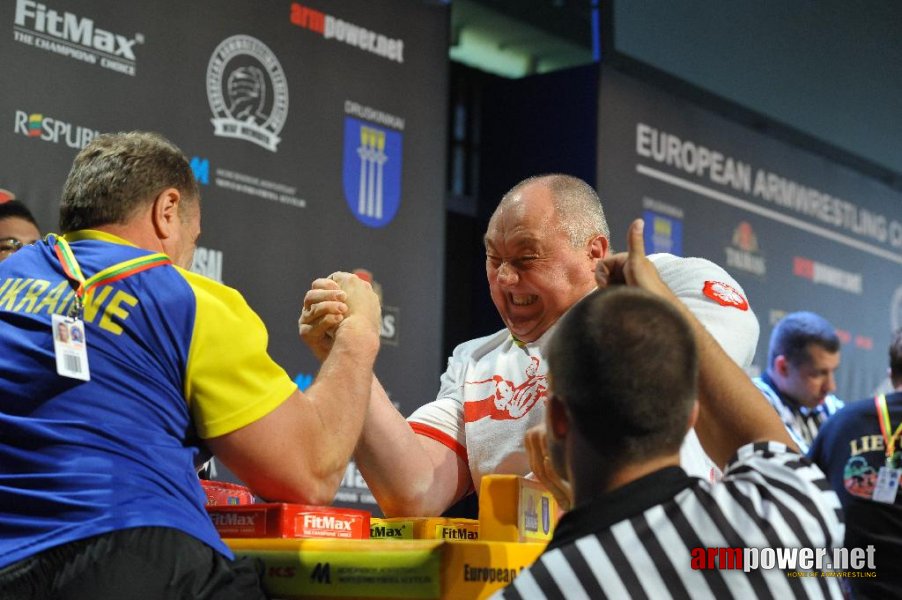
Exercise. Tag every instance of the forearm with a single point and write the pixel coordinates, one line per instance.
(732, 412)
(408, 475)
(336, 403)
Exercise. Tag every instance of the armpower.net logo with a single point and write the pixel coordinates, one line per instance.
(796, 562)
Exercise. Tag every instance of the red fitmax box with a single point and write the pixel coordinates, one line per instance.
(277, 520)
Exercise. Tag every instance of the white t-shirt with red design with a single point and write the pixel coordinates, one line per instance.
(494, 388)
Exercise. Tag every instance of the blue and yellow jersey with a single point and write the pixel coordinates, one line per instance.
(174, 358)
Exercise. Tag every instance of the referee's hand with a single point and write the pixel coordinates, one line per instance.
(542, 468)
(632, 267)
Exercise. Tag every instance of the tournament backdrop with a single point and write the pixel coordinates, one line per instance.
(316, 130)
(798, 231)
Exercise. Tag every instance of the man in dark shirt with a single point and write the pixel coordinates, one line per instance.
(852, 448)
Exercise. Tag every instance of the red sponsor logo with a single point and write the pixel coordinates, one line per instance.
(282, 572)
(367, 276)
(864, 342)
(725, 295)
(308, 18)
(744, 237)
(803, 267)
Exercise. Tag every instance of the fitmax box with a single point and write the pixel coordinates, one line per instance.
(419, 528)
(277, 520)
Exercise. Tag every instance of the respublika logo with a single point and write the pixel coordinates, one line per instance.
(744, 252)
(663, 233)
(48, 129)
(372, 172)
(77, 37)
(248, 92)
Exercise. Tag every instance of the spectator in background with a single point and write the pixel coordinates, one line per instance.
(17, 228)
(802, 359)
(852, 448)
(640, 526)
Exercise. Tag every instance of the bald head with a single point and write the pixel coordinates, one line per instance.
(578, 207)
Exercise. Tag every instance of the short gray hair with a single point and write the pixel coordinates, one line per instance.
(117, 173)
(578, 206)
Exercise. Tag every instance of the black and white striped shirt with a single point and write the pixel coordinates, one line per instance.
(637, 541)
(801, 422)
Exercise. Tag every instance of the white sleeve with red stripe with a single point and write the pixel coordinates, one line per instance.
(443, 418)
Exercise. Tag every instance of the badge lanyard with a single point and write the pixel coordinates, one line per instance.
(888, 476)
(69, 340)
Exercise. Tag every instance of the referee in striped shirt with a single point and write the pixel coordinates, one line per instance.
(626, 366)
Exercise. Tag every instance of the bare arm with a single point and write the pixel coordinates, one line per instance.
(409, 474)
(299, 451)
(732, 412)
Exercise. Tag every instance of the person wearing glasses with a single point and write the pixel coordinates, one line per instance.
(17, 228)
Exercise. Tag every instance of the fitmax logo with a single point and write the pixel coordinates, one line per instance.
(72, 28)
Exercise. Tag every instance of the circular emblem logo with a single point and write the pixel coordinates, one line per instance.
(725, 295)
(247, 91)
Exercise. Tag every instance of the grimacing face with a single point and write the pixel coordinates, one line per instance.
(534, 272)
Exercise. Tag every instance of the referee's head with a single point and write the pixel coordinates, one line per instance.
(623, 373)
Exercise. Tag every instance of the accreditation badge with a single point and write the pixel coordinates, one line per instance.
(887, 485)
(70, 347)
